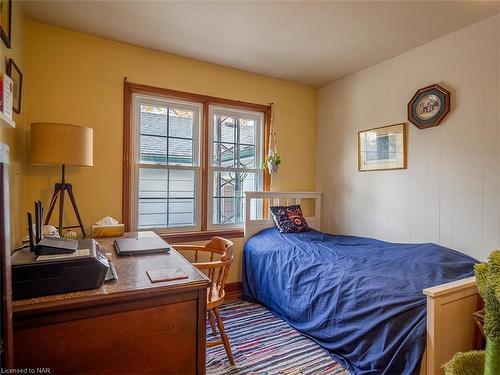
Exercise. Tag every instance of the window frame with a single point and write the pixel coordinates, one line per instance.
(204, 231)
(137, 101)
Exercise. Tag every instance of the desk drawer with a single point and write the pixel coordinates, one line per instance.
(161, 339)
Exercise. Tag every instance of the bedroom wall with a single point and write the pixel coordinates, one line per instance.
(450, 193)
(78, 78)
(14, 137)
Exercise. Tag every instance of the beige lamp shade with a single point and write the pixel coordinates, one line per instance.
(58, 144)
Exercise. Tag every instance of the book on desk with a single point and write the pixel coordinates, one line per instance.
(166, 274)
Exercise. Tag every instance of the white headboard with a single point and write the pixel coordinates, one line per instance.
(255, 225)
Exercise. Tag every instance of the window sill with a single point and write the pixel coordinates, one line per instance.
(201, 236)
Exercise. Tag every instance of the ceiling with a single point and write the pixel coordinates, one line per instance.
(308, 42)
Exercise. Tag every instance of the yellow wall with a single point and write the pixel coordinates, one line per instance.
(78, 79)
(14, 138)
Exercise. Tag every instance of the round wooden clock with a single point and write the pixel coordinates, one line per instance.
(429, 106)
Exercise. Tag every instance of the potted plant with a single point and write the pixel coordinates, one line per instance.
(272, 161)
(484, 362)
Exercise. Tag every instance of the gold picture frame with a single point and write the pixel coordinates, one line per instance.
(382, 148)
(6, 21)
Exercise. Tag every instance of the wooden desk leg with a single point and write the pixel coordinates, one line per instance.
(202, 331)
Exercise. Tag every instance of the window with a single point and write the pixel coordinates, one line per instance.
(188, 159)
(235, 162)
(167, 167)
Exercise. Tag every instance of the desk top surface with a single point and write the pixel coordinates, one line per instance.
(132, 280)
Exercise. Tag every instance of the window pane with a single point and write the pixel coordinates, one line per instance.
(247, 131)
(234, 155)
(166, 135)
(180, 151)
(153, 149)
(180, 123)
(166, 198)
(226, 210)
(154, 120)
(228, 195)
(225, 129)
(224, 154)
(246, 156)
(234, 141)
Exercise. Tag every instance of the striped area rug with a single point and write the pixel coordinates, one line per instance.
(264, 344)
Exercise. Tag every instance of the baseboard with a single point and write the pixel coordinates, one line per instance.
(233, 290)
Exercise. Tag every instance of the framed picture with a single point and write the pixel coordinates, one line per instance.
(15, 74)
(5, 20)
(429, 106)
(382, 148)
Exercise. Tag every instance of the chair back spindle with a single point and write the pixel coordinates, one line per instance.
(216, 270)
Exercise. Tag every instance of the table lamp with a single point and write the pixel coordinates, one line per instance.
(62, 144)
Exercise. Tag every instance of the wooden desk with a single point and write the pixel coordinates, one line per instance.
(125, 326)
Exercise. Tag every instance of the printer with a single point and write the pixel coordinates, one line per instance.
(40, 275)
(56, 265)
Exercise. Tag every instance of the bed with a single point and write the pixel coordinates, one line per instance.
(377, 307)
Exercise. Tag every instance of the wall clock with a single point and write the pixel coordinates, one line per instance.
(429, 106)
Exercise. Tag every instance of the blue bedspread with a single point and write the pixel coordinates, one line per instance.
(359, 298)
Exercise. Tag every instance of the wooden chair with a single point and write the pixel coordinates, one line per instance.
(217, 271)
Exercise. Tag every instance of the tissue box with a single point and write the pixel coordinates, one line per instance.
(107, 230)
(6, 90)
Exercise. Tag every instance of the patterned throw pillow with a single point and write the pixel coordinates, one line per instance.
(289, 219)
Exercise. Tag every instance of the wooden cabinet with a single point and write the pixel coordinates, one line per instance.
(129, 326)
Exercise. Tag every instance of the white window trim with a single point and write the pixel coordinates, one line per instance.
(137, 100)
(259, 142)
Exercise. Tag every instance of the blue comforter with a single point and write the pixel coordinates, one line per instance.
(359, 298)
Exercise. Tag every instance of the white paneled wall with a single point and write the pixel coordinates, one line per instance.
(450, 193)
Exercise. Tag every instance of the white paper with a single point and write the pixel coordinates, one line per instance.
(76, 253)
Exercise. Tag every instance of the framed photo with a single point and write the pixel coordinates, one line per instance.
(15, 74)
(382, 148)
(5, 21)
(429, 106)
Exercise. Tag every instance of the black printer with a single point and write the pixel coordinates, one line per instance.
(56, 265)
(40, 275)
